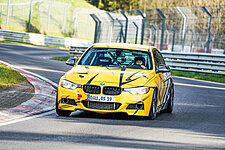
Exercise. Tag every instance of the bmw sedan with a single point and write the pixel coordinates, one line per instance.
(113, 78)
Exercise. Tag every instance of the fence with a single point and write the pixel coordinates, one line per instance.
(191, 62)
(179, 29)
(54, 17)
(41, 39)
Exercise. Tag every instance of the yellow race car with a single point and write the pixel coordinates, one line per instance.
(113, 77)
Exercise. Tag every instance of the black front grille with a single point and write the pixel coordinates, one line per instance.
(101, 105)
(112, 90)
(92, 89)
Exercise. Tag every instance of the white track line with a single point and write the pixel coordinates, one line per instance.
(199, 80)
(200, 86)
(35, 116)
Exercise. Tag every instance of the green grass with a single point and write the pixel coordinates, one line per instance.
(61, 58)
(10, 77)
(201, 76)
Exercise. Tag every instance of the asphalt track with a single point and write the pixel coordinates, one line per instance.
(197, 122)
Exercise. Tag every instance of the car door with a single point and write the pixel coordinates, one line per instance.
(159, 78)
(166, 76)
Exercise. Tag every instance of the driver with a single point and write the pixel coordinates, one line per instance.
(140, 61)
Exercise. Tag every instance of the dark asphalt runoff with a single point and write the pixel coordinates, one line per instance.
(197, 122)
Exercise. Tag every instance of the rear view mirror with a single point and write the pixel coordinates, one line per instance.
(163, 68)
(71, 61)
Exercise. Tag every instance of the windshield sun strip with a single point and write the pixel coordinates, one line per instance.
(95, 50)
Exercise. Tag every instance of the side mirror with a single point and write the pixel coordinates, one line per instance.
(163, 68)
(71, 61)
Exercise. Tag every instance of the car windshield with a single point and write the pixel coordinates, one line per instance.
(112, 57)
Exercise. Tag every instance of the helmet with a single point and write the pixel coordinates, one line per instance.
(140, 58)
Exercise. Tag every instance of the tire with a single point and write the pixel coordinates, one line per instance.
(169, 107)
(59, 111)
(153, 110)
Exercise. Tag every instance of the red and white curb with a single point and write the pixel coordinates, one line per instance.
(42, 101)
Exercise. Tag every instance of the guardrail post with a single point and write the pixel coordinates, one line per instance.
(136, 32)
(113, 20)
(163, 26)
(143, 25)
(121, 30)
(126, 26)
(183, 42)
(97, 25)
(154, 37)
(209, 28)
(174, 32)
(7, 15)
(111, 17)
(199, 41)
(30, 15)
(192, 35)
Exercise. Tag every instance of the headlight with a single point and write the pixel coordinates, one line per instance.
(137, 90)
(68, 85)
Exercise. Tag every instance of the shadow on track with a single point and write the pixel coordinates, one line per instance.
(94, 139)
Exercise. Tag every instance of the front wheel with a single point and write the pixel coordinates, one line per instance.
(153, 109)
(59, 111)
(170, 103)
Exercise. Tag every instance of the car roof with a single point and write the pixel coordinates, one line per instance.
(124, 45)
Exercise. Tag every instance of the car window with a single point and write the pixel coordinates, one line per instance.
(156, 59)
(162, 62)
(114, 57)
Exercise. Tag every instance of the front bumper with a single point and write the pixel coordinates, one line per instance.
(138, 105)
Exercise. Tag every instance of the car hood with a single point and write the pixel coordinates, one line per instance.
(109, 76)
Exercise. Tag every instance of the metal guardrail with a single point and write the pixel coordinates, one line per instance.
(41, 39)
(191, 62)
(77, 51)
(195, 62)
